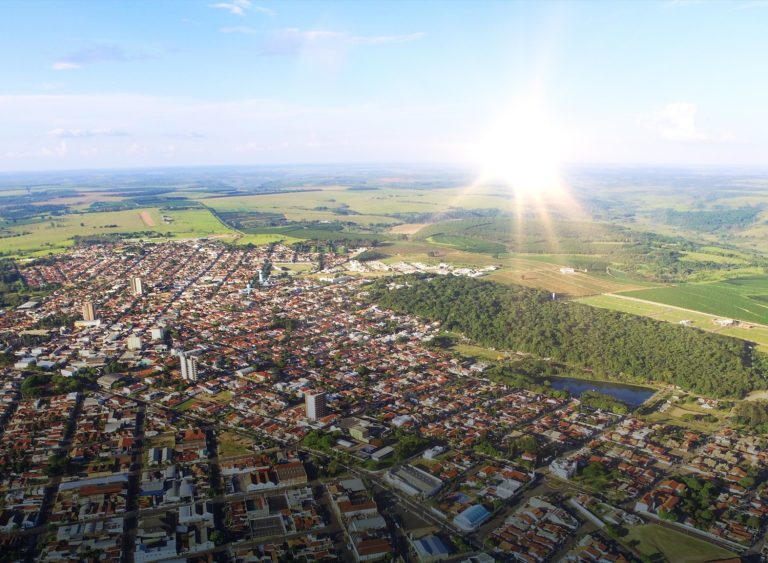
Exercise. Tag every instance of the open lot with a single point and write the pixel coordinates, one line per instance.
(673, 546)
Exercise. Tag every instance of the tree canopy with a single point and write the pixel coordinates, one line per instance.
(611, 344)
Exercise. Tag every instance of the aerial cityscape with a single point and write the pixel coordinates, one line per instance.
(418, 281)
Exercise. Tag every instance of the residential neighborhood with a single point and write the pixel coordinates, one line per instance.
(231, 406)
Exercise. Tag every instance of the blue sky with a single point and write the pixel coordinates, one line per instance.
(145, 83)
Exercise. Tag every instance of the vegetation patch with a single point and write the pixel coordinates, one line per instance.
(662, 544)
(612, 345)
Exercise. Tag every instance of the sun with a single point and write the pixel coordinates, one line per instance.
(522, 151)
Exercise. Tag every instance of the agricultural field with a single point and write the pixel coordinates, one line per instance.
(744, 299)
(652, 541)
(57, 233)
(659, 311)
(533, 272)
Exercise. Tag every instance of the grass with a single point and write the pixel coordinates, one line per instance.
(535, 273)
(186, 405)
(675, 547)
(745, 299)
(714, 258)
(663, 312)
(266, 238)
(232, 445)
(477, 352)
(469, 244)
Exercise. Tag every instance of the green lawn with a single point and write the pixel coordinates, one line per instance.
(675, 547)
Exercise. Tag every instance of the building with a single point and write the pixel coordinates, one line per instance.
(133, 342)
(472, 518)
(188, 366)
(136, 286)
(158, 333)
(315, 405)
(89, 312)
(430, 548)
(414, 481)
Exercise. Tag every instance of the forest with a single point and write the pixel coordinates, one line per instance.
(611, 345)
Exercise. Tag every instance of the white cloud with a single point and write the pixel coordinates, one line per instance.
(98, 53)
(58, 150)
(181, 131)
(238, 29)
(675, 121)
(64, 65)
(378, 39)
(240, 7)
(292, 40)
(83, 133)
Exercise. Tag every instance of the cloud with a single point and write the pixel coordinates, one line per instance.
(85, 133)
(63, 65)
(203, 131)
(379, 39)
(240, 7)
(238, 29)
(292, 41)
(95, 54)
(675, 121)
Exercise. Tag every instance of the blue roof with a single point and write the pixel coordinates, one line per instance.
(472, 517)
(431, 546)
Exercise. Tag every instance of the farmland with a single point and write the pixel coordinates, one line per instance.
(745, 299)
(659, 311)
(57, 233)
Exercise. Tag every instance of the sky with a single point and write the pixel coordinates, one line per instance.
(108, 84)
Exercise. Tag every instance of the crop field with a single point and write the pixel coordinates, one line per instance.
(659, 311)
(56, 234)
(375, 202)
(535, 273)
(745, 299)
(468, 244)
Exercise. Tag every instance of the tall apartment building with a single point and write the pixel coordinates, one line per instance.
(188, 367)
(315, 405)
(89, 312)
(136, 287)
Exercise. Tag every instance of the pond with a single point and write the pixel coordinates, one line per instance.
(633, 395)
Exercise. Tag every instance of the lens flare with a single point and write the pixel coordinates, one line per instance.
(523, 150)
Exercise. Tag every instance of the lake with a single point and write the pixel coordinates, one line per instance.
(633, 395)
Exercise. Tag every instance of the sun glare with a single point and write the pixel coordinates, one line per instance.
(523, 151)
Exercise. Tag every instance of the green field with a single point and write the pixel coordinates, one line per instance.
(469, 244)
(56, 234)
(675, 547)
(745, 299)
(703, 321)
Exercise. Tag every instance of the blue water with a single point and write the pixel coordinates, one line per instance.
(633, 395)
